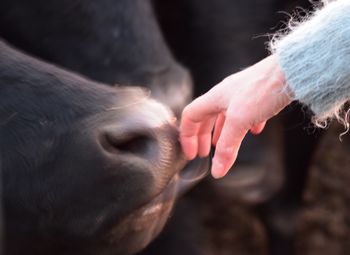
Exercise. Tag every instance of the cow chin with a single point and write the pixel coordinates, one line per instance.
(138, 229)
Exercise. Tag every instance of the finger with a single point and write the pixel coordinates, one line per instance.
(218, 127)
(203, 107)
(189, 139)
(193, 116)
(204, 137)
(257, 129)
(228, 145)
(189, 129)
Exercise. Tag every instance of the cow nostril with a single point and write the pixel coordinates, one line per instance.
(137, 144)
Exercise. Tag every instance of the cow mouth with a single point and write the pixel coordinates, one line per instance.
(193, 172)
(158, 206)
(144, 224)
(161, 205)
(150, 219)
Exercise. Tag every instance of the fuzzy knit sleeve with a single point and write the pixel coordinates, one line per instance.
(315, 59)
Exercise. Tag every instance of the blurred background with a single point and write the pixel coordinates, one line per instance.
(288, 192)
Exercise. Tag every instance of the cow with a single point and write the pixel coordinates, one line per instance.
(88, 166)
(109, 41)
(85, 167)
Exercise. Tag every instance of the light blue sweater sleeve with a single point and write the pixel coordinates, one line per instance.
(315, 58)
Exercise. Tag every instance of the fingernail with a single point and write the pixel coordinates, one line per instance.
(217, 169)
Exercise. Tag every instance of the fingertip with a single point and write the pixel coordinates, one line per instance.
(214, 141)
(204, 146)
(217, 169)
(256, 130)
(189, 147)
(216, 175)
(189, 155)
(203, 154)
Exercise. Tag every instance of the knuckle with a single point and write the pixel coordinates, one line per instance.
(204, 136)
(186, 111)
(227, 79)
(234, 116)
(185, 136)
(226, 153)
(238, 118)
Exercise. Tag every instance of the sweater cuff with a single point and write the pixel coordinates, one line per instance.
(315, 58)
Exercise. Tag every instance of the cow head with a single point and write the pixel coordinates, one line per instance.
(109, 41)
(86, 168)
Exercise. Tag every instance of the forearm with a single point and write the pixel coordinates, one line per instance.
(315, 59)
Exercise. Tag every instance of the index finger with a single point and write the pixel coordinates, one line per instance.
(193, 116)
(228, 144)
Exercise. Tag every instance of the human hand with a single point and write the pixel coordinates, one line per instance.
(241, 102)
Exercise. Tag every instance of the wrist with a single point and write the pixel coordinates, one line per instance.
(279, 79)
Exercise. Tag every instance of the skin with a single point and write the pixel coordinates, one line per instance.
(242, 102)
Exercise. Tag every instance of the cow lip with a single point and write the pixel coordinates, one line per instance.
(166, 196)
(147, 221)
(152, 209)
(192, 173)
(152, 216)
